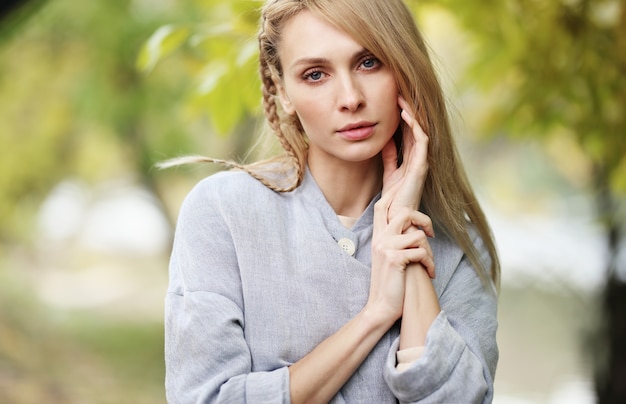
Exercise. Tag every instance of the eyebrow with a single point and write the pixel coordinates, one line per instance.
(323, 61)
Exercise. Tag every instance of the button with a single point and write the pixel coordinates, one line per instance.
(347, 245)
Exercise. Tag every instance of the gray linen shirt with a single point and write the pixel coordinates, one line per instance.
(257, 280)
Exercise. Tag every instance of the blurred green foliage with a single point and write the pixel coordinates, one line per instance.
(553, 68)
(72, 103)
(226, 50)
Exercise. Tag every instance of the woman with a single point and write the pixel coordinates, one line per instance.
(311, 277)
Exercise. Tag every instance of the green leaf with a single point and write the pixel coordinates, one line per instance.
(163, 42)
(211, 77)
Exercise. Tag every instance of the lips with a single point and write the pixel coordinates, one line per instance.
(357, 131)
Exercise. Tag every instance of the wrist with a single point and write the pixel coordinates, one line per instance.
(377, 317)
(421, 307)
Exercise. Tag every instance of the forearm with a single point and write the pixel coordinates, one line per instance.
(320, 375)
(421, 307)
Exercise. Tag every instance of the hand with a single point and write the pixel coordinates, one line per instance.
(406, 182)
(393, 249)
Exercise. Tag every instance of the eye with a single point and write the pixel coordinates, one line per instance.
(370, 62)
(313, 75)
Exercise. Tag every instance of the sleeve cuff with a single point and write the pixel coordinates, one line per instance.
(406, 357)
(442, 352)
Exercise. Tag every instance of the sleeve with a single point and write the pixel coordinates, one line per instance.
(460, 355)
(406, 357)
(207, 359)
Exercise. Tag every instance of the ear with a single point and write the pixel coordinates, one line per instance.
(285, 102)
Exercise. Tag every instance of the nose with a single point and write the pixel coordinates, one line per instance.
(350, 94)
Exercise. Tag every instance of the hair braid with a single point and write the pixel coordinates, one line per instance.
(287, 128)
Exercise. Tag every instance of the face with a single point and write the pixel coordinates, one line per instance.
(345, 98)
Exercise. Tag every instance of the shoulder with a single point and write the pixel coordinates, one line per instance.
(221, 193)
(231, 182)
(234, 197)
(228, 188)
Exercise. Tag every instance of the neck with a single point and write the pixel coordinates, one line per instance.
(348, 187)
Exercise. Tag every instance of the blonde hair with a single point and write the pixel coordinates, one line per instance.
(387, 30)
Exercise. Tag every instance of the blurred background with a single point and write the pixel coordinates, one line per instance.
(94, 93)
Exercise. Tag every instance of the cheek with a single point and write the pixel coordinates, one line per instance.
(392, 92)
(387, 92)
(309, 109)
(389, 96)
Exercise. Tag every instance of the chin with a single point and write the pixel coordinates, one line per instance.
(360, 157)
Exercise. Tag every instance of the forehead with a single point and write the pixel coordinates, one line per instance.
(306, 35)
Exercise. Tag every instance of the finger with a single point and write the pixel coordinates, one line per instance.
(381, 209)
(430, 270)
(418, 140)
(425, 245)
(407, 116)
(419, 257)
(405, 111)
(404, 106)
(420, 221)
(400, 221)
(407, 133)
(418, 239)
(405, 218)
(424, 222)
(415, 141)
